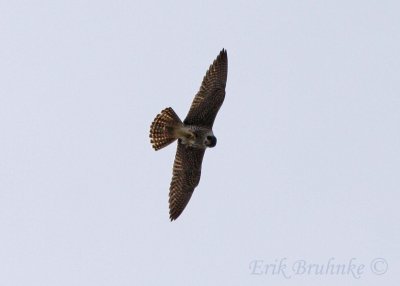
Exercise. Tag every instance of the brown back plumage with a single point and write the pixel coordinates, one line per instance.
(166, 127)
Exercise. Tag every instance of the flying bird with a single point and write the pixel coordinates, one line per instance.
(194, 134)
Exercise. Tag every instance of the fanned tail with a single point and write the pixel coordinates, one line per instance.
(162, 130)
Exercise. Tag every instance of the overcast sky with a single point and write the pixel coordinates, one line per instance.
(306, 169)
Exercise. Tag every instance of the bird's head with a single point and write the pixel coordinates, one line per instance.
(210, 141)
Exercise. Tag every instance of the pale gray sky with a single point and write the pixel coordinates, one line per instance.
(306, 166)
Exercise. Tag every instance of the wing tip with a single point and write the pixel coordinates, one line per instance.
(223, 53)
(174, 216)
(222, 59)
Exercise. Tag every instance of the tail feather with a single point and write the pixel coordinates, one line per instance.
(163, 127)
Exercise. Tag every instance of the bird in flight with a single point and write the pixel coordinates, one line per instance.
(194, 134)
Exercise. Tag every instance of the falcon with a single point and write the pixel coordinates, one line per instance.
(194, 134)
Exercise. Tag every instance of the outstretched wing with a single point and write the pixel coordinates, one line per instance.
(210, 97)
(185, 178)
